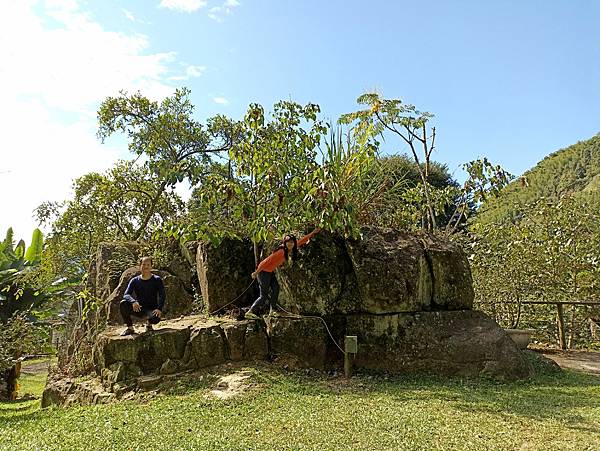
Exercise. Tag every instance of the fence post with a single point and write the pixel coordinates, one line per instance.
(350, 350)
(560, 317)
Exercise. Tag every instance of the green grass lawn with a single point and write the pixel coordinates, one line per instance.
(284, 410)
(33, 384)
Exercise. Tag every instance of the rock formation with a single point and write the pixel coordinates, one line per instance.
(406, 297)
(224, 272)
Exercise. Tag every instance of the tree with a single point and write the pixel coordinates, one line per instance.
(121, 204)
(404, 209)
(406, 122)
(19, 288)
(412, 126)
(567, 171)
(353, 187)
(175, 144)
(549, 253)
(259, 191)
(22, 296)
(277, 179)
(18, 335)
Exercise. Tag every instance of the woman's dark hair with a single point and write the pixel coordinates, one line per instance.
(285, 249)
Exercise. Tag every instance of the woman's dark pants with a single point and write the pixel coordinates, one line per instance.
(267, 282)
(126, 308)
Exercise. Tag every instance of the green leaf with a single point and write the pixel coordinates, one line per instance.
(20, 250)
(34, 251)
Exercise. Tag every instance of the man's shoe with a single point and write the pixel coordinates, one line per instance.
(128, 331)
(149, 327)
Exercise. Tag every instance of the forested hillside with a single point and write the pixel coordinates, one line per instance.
(573, 170)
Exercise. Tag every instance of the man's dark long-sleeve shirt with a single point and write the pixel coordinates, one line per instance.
(149, 293)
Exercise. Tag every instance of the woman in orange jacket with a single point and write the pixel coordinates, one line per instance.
(265, 272)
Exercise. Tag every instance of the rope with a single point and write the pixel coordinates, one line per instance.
(229, 303)
(295, 315)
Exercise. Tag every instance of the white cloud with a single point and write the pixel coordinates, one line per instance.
(195, 71)
(43, 157)
(128, 14)
(217, 12)
(221, 100)
(76, 65)
(191, 71)
(132, 18)
(188, 6)
(214, 13)
(52, 80)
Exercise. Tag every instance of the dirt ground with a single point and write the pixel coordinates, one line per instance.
(588, 362)
(37, 367)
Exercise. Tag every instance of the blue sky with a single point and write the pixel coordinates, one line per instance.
(510, 80)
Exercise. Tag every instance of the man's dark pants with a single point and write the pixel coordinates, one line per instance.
(126, 308)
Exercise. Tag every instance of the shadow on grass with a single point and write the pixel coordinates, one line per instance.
(559, 397)
(19, 410)
(543, 397)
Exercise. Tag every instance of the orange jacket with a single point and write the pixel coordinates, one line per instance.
(278, 257)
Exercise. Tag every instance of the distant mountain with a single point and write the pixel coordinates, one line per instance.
(575, 169)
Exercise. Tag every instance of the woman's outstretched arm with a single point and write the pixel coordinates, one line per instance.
(305, 239)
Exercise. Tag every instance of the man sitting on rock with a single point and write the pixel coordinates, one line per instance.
(145, 296)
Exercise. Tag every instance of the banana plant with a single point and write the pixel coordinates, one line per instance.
(16, 263)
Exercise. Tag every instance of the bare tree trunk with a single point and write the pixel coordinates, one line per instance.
(560, 318)
(572, 326)
(255, 245)
(150, 211)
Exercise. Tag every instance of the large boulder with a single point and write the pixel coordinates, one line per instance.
(463, 343)
(321, 281)
(446, 343)
(129, 356)
(207, 346)
(224, 273)
(246, 340)
(179, 300)
(179, 262)
(385, 272)
(304, 342)
(68, 391)
(56, 391)
(111, 259)
(392, 272)
(452, 284)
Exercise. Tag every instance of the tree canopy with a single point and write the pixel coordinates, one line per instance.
(125, 203)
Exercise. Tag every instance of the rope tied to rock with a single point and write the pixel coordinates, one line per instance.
(293, 315)
(229, 303)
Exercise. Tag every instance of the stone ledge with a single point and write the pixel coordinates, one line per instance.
(183, 344)
(446, 343)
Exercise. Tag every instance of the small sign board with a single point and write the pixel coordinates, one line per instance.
(351, 344)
